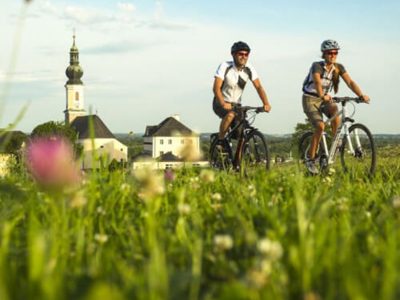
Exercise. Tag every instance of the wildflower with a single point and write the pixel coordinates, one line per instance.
(169, 175)
(396, 202)
(217, 207)
(190, 152)
(223, 242)
(272, 249)
(331, 171)
(125, 187)
(78, 200)
(151, 183)
(216, 197)
(101, 238)
(256, 279)
(184, 209)
(207, 176)
(327, 180)
(100, 210)
(266, 267)
(51, 162)
(368, 214)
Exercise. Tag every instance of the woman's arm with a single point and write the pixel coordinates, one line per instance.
(354, 87)
(318, 85)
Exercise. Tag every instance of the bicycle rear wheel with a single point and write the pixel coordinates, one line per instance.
(358, 154)
(221, 159)
(255, 153)
(304, 148)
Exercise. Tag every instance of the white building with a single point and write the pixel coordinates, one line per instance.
(97, 140)
(170, 144)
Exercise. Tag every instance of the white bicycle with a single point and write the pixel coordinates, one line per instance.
(354, 142)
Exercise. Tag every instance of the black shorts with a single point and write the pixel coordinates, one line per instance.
(219, 110)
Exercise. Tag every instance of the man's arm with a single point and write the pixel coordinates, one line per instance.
(218, 94)
(262, 94)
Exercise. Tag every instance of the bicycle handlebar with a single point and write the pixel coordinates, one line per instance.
(347, 99)
(247, 108)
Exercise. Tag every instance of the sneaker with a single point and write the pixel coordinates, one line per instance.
(310, 164)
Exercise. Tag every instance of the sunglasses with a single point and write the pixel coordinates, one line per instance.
(244, 54)
(332, 52)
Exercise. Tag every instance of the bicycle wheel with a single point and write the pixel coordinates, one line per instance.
(255, 153)
(358, 153)
(220, 159)
(304, 147)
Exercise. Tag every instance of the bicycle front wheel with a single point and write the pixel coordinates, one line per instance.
(255, 152)
(358, 152)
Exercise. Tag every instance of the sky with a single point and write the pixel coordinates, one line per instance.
(146, 60)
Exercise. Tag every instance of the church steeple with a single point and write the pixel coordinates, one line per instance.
(74, 71)
(74, 86)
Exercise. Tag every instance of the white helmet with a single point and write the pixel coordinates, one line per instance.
(329, 45)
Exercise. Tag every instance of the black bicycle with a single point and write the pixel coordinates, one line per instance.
(251, 149)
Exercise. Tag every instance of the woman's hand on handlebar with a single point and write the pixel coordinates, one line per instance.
(267, 107)
(327, 98)
(365, 98)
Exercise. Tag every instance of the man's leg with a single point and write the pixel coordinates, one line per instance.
(224, 126)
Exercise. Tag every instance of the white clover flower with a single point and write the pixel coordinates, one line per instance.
(266, 267)
(216, 197)
(223, 242)
(151, 183)
(100, 210)
(184, 209)
(396, 202)
(100, 238)
(327, 180)
(331, 171)
(78, 200)
(272, 249)
(125, 187)
(207, 175)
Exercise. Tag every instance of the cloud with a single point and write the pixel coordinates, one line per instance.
(83, 16)
(126, 6)
(114, 19)
(119, 47)
(26, 77)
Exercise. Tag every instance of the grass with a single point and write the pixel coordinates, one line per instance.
(276, 235)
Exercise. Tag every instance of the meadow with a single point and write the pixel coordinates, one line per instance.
(200, 234)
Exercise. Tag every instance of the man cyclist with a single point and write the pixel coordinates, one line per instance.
(230, 80)
(322, 78)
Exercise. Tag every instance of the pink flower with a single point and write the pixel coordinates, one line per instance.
(169, 175)
(51, 162)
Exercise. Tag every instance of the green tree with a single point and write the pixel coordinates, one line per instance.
(51, 128)
(12, 141)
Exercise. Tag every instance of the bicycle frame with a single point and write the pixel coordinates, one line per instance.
(246, 130)
(342, 132)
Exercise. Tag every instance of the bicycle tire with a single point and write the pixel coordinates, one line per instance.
(363, 161)
(304, 147)
(220, 160)
(255, 152)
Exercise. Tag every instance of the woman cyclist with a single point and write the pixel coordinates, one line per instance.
(321, 79)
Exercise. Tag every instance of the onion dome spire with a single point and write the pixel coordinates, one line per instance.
(74, 71)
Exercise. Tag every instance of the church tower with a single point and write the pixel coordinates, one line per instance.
(74, 87)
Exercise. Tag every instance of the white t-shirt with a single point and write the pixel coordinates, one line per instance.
(234, 80)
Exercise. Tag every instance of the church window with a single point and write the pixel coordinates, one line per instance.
(76, 96)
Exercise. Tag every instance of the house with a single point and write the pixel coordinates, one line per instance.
(170, 144)
(97, 142)
(96, 139)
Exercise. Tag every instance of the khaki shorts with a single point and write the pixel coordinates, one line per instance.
(311, 106)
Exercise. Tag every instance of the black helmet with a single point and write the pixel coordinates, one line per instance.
(238, 46)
